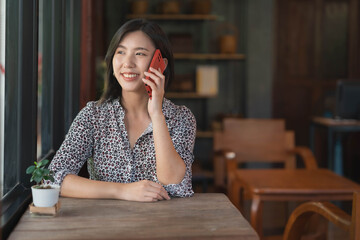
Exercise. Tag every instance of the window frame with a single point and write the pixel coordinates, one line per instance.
(20, 125)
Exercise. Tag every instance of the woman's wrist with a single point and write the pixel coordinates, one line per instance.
(118, 191)
(157, 116)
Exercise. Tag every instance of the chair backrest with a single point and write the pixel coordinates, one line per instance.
(256, 140)
(301, 215)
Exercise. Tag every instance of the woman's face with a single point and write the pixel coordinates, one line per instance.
(132, 59)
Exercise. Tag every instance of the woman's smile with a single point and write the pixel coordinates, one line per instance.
(129, 76)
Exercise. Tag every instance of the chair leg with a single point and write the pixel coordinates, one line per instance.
(241, 200)
(235, 194)
(256, 215)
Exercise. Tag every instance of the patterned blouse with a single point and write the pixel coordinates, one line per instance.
(98, 135)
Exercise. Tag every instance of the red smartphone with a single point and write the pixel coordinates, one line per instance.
(156, 62)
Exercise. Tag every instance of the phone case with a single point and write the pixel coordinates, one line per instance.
(156, 62)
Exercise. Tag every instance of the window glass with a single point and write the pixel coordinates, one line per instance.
(12, 102)
(40, 86)
(2, 91)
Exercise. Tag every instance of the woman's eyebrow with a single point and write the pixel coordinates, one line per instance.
(138, 48)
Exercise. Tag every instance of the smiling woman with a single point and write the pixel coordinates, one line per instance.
(141, 148)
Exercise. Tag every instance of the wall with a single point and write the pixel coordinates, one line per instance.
(260, 55)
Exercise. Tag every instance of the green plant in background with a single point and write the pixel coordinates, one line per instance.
(39, 173)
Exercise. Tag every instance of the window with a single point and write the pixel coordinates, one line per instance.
(39, 123)
(2, 91)
(19, 107)
(52, 28)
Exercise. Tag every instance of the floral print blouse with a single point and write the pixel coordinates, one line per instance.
(98, 135)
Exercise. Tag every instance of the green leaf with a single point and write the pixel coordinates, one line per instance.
(37, 173)
(43, 162)
(46, 171)
(30, 170)
(51, 178)
(38, 179)
(41, 171)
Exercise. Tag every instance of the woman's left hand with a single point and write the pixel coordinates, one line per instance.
(157, 84)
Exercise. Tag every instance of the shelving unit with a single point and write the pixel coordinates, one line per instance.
(203, 57)
(181, 17)
(209, 56)
(187, 95)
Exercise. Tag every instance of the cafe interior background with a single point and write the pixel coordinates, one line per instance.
(233, 58)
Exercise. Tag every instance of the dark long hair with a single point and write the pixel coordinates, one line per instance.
(112, 88)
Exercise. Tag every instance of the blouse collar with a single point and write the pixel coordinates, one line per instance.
(167, 108)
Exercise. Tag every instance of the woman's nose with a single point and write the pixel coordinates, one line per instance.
(128, 62)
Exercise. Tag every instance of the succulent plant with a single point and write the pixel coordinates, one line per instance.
(39, 173)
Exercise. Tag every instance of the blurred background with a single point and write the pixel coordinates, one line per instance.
(233, 58)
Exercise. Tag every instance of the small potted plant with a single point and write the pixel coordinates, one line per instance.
(44, 195)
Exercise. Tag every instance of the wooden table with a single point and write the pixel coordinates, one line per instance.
(203, 216)
(291, 185)
(334, 127)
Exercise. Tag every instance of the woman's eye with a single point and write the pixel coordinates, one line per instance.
(120, 52)
(140, 54)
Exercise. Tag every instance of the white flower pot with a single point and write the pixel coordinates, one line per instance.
(45, 197)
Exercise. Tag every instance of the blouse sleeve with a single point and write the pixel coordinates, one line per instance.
(183, 137)
(77, 146)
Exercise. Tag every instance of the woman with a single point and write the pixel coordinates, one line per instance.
(141, 148)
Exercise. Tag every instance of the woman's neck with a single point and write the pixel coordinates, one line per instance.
(134, 103)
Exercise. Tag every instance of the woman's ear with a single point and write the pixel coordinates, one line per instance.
(166, 62)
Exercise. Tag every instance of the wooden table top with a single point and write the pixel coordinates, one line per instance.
(203, 216)
(297, 181)
(331, 122)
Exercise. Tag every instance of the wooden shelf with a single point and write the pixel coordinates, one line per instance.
(187, 95)
(173, 16)
(209, 56)
(204, 134)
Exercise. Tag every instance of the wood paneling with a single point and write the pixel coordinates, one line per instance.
(316, 44)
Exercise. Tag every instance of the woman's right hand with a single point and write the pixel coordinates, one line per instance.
(144, 191)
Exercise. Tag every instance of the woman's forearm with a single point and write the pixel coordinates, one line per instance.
(170, 167)
(79, 187)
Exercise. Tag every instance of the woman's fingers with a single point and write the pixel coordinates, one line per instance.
(153, 196)
(159, 191)
(156, 76)
(151, 191)
(150, 83)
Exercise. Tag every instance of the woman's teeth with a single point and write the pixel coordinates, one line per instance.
(129, 75)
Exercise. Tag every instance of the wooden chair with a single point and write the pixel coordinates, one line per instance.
(266, 140)
(301, 215)
(255, 140)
